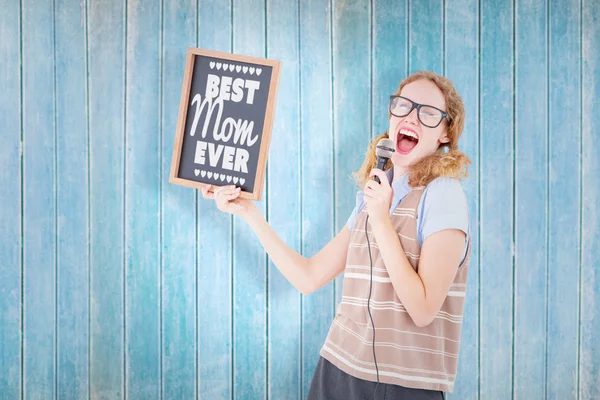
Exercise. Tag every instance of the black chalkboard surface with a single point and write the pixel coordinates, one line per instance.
(225, 121)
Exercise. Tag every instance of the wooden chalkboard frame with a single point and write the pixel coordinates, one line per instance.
(268, 122)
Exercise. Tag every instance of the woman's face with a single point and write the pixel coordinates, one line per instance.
(413, 139)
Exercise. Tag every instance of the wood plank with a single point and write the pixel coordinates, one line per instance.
(72, 200)
(39, 200)
(425, 36)
(142, 282)
(564, 210)
(390, 37)
(496, 233)
(462, 67)
(284, 196)
(249, 257)
(531, 195)
(318, 206)
(589, 348)
(215, 276)
(11, 200)
(178, 209)
(106, 64)
(351, 105)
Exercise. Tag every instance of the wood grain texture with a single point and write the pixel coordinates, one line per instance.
(496, 200)
(39, 201)
(564, 200)
(249, 257)
(72, 200)
(589, 347)
(215, 247)
(462, 67)
(531, 199)
(390, 58)
(11, 200)
(178, 211)
(142, 240)
(426, 21)
(351, 104)
(317, 190)
(116, 283)
(106, 66)
(284, 197)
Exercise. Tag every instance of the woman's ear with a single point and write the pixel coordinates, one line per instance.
(444, 137)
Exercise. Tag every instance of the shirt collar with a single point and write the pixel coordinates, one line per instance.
(400, 186)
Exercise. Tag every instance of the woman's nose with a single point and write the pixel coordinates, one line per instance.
(412, 116)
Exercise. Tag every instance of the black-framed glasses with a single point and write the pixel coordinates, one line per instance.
(429, 116)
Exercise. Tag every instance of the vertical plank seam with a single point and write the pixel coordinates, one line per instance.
(160, 198)
(479, 199)
(55, 173)
(89, 264)
(578, 366)
(444, 61)
(55, 176)
(267, 210)
(232, 245)
(514, 187)
(371, 41)
(333, 136)
(124, 209)
(301, 193)
(408, 37)
(22, 181)
(196, 258)
(548, 211)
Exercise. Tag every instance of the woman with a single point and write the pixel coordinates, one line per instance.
(404, 252)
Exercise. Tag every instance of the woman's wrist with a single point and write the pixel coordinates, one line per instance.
(251, 213)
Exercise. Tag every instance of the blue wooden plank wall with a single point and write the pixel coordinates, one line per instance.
(115, 284)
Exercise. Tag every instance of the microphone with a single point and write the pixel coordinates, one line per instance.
(384, 151)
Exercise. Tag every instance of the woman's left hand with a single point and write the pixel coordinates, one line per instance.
(378, 196)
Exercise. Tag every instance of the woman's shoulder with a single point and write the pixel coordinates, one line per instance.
(445, 184)
(443, 205)
(445, 190)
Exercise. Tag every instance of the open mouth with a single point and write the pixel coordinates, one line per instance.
(406, 140)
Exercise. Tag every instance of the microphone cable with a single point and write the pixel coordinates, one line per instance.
(369, 304)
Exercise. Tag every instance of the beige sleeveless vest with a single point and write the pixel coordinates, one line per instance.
(407, 355)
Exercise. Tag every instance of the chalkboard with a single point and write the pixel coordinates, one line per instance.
(225, 121)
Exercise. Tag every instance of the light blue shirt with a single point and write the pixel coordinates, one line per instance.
(442, 206)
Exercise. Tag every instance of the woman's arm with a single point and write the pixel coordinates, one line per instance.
(422, 293)
(305, 274)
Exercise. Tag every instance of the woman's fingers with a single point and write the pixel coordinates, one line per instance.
(206, 194)
(224, 189)
(231, 196)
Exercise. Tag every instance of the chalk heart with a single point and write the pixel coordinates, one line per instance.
(231, 67)
(242, 181)
(251, 70)
(244, 69)
(203, 173)
(209, 175)
(238, 68)
(228, 178)
(196, 172)
(212, 64)
(235, 179)
(222, 176)
(219, 66)
(258, 71)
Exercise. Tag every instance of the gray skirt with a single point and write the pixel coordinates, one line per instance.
(331, 383)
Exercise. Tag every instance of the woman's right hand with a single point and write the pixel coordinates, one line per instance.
(227, 199)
